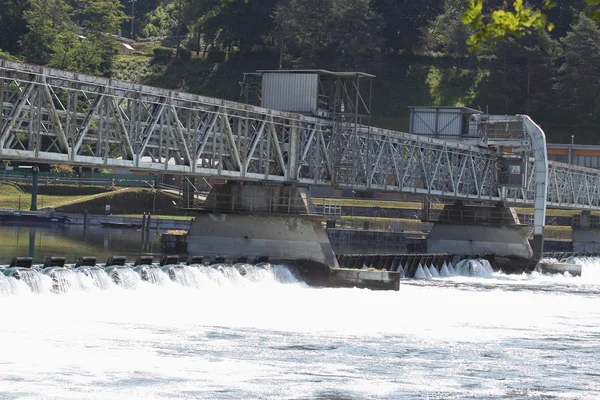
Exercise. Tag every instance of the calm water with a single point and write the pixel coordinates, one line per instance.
(74, 241)
(267, 335)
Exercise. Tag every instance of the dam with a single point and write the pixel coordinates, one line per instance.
(320, 136)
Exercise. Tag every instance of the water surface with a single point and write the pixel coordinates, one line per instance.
(268, 335)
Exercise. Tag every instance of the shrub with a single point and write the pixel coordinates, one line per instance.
(216, 56)
(65, 170)
(184, 55)
(162, 54)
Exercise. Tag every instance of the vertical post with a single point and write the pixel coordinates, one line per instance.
(153, 199)
(426, 208)
(132, 16)
(571, 149)
(34, 187)
(32, 243)
(178, 30)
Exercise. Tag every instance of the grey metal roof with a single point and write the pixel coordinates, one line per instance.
(464, 109)
(322, 72)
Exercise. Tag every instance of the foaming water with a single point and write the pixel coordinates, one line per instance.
(590, 268)
(5, 287)
(64, 280)
(95, 277)
(156, 276)
(243, 331)
(477, 268)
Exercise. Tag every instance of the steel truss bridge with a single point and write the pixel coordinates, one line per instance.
(53, 116)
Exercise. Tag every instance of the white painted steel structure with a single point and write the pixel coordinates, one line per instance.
(53, 116)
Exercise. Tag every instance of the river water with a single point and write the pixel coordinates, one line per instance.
(265, 334)
(73, 241)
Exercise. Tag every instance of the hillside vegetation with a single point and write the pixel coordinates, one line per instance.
(417, 50)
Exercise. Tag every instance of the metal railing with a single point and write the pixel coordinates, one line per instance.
(379, 225)
(260, 203)
(108, 181)
(473, 216)
(329, 207)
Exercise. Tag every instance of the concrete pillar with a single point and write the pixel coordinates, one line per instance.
(471, 230)
(246, 220)
(34, 187)
(586, 240)
(586, 232)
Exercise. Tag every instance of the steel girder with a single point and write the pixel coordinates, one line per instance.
(53, 116)
(569, 187)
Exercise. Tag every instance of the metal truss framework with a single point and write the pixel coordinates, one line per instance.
(53, 116)
(569, 187)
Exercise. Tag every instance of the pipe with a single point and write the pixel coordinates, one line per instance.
(34, 187)
(538, 144)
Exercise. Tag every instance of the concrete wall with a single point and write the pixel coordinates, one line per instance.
(259, 199)
(345, 241)
(586, 240)
(155, 222)
(278, 237)
(511, 249)
(361, 278)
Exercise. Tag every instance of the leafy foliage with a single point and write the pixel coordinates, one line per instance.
(342, 34)
(577, 86)
(518, 21)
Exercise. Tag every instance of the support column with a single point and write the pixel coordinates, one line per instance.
(586, 233)
(471, 230)
(34, 187)
(538, 144)
(252, 220)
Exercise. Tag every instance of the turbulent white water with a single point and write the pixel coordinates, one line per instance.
(262, 333)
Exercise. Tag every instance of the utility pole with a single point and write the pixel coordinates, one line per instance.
(178, 30)
(132, 16)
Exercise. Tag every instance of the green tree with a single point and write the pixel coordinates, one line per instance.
(87, 46)
(13, 24)
(242, 24)
(99, 16)
(46, 19)
(303, 31)
(404, 20)
(492, 22)
(161, 21)
(356, 40)
(577, 85)
(521, 73)
(339, 34)
(446, 33)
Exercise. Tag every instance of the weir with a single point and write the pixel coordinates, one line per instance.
(318, 134)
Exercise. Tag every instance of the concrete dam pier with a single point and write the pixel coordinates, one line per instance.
(279, 223)
(257, 220)
(462, 229)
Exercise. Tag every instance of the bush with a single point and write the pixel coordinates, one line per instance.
(162, 54)
(184, 55)
(65, 170)
(216, 56)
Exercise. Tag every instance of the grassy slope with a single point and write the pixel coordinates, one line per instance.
(72, 199)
